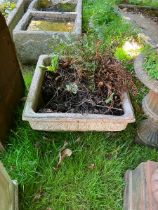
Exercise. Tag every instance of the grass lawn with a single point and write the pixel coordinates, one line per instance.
(93, 177)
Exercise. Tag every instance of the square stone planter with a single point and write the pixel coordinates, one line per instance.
(17, 13)
(77, 3)
(70, 121)
(30, 44)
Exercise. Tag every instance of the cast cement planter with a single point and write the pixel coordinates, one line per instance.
(78, 9)
(67, 121)
(148, 131)
(31, 44)
(17, 14)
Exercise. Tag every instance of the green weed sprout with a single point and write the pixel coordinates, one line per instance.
(54, 64)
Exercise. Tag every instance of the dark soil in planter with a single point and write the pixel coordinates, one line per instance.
(72, 90)
(67, 7)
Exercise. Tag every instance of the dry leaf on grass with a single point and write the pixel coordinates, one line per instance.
(64, 146)
(62, 155)
(78, 140)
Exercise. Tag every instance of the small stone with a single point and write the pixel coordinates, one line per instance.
(124, 9)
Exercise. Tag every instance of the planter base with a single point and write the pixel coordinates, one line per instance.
(150, 105)
(148, 133)
(77, 124)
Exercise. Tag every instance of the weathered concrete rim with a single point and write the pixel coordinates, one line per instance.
(78, 13)
(79, 17)
(13, 16)
(17, 13)
(31, 102)
(15, 184)
(33, 6)
(143, 75)
(21, 26)
(13, 12)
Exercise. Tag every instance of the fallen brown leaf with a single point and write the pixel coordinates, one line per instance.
(62, 155)
(64, 146)
(78, 140)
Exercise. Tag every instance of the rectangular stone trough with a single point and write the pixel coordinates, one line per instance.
(17, 13)
(70, 121)
(76, 6)
(31, 43)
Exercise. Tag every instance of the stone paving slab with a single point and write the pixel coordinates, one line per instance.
(149, 28)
